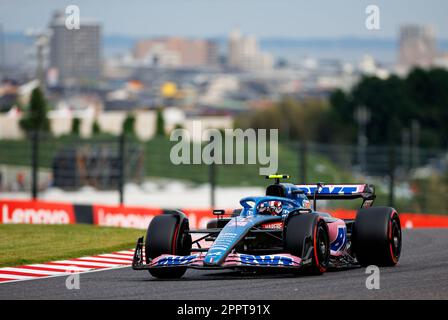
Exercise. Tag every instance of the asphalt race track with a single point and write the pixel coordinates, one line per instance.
(421, 274)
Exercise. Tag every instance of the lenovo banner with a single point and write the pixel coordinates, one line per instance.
(125, 217)
(41, 212)
(36, 212)
(139, 217)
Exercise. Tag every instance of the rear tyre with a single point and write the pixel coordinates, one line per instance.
(168, 234)
(306, 236)
(377, 237)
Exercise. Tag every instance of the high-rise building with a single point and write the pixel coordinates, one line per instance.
(235, 50)
(176, 52)
(2, 48)
(417, 46)
(75, 55)
(244, 54)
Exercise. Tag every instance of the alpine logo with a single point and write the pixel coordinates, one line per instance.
(238, 222)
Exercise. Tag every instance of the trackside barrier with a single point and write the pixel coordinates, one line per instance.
(408, 220)
(43, 212)
(125, 217)
(36, 212)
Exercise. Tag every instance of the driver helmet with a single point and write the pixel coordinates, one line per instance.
(270, 207)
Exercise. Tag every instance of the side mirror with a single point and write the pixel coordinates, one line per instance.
(300, 191)
(219, 212)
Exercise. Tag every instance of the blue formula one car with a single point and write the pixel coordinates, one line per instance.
(281, 230)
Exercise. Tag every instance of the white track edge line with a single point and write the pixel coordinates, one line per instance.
(62, 275)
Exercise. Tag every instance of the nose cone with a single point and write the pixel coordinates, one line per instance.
(229, 236)
(213, 258)
(221, 247)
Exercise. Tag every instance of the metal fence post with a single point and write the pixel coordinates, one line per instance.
(34, 163)
(302, 156)
(122, 159)
(212, 177)
(391, 175)
(212, 184)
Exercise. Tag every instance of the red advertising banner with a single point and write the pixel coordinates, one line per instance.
(342, 213)
(139, 217)
(41, 212)
(36, 212)
(198, 218)
(408, 220)
(124, 217)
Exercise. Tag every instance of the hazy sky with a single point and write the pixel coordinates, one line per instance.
(263, 18)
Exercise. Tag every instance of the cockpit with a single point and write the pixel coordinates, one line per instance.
(276, 190)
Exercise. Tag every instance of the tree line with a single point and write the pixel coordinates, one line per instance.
(395, 105)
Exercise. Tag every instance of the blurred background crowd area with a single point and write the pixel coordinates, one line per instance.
(91, 109)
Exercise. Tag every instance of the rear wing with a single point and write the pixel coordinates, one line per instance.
(342, 192)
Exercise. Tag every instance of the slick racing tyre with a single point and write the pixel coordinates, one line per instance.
(168, 234)
(306, 236)
(377, 237)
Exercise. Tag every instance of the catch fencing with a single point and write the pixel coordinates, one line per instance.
(411, 179)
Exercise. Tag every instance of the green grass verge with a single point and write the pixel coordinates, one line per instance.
(319, 168)
(157, 162)
(25, 244)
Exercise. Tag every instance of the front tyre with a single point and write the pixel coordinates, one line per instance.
(377, 237)
(168, 234)
(306, 236)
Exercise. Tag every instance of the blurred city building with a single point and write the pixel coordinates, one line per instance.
(75, 55)
(176, 52)
(441, 61)
(244, 53)
(184, 75)
(217, 88)
(14, 94)
(2, 50)
(417, 46)
(369, 66)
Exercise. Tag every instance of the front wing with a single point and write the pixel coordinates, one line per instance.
(233, 261)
